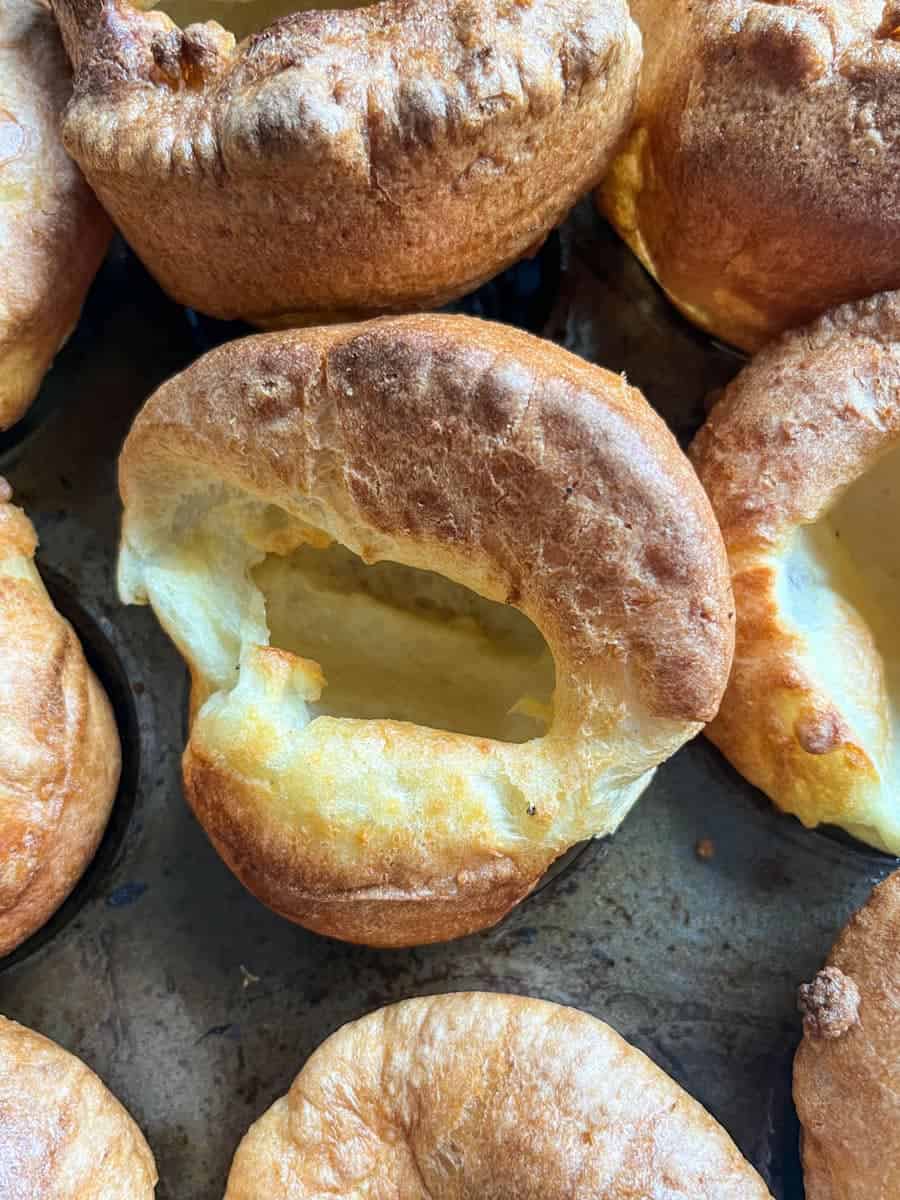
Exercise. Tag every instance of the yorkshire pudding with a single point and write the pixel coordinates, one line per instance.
(59, 750)
(52, 230)
(341, 164)
(801, 460)
(761, 180)
(63, 1136)
(475, 1095)
(847, 1070)
(313, 504)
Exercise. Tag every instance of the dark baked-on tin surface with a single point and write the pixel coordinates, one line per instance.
(198, 1006)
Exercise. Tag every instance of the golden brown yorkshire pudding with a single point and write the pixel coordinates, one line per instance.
(63, 1136)
(341, 164)
(847, 1070)
(53, 232)
(374, 544)
(475, 1095)
(59, 749)
(801, 460)
(761, 180)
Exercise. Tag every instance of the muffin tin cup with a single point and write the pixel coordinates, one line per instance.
(198, 1006)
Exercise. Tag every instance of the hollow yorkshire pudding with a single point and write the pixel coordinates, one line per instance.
(59, 750)
(761, 180)
(476, 1095)
(847, 1070)
(341, 164)
(801, 460)
(53, 232)
(63, 1135)
(422, 786)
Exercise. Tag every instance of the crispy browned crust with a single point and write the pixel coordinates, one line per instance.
(63, 1135)
(477, 1094)
(847, 1089)
(507, 464)
(551, 477)
(59, 749)
(52, 230)
(811, 414)
(296, 877)
(347, 163)
(761, 179)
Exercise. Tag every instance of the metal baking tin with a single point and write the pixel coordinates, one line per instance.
(198, 1006)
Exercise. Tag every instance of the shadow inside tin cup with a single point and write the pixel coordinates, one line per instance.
(577, 856)
(877, 863)
(880, 860)
(523, 295)
(15, 440)
(776, 1153)
(105, 664)
(828, 840)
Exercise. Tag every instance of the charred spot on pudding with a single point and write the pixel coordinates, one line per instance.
(785, 42)
(190, 57)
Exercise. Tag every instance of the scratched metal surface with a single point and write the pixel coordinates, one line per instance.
(198, 1006)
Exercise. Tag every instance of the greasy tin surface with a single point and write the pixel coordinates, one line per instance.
(198, 1006)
